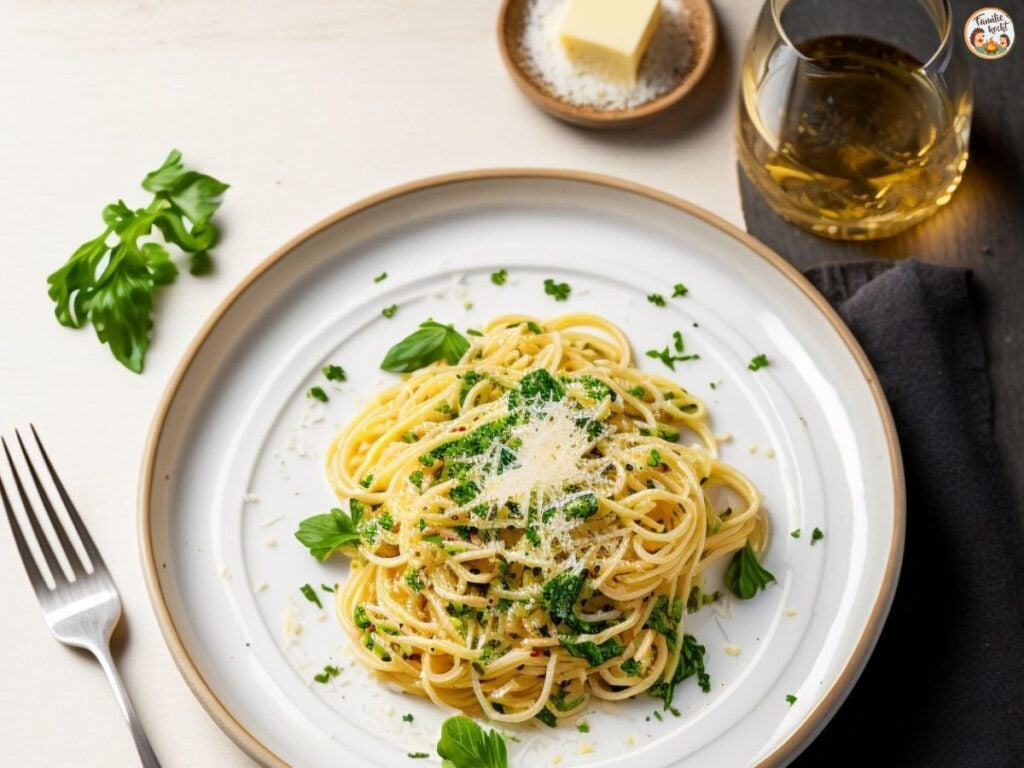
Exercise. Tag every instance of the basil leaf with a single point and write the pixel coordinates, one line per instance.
(324, 534)
(464, 744)
(745, 576)
(433, 341)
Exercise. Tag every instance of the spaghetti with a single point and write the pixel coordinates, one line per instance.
(532, 525)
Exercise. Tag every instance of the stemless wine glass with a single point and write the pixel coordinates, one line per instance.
(854, 115)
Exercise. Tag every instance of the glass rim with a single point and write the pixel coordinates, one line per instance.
(945, 29)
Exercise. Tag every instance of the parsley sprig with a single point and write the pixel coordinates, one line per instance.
(113, 286)
(560, 291)
(674, 355)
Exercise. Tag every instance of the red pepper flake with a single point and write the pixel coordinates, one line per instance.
(535, 652)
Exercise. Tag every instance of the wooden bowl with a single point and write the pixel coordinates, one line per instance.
(703, 34)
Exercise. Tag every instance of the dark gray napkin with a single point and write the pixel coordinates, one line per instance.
(945, 685)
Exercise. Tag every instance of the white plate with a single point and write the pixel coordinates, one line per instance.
(812, 430)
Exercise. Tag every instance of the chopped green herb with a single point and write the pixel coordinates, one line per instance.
(638, 392)
(333, 373)
(473, 332)
(113, 287)
(560, 596)
(631, 667)
(418, 755)
(666, 355)
(327, 674)
(745, 575)
(434, 539)
(389, 312)
(559, 700)
(582, 507)
(443, 408)
(407, 717)
(758, 362)
(433, 341)
(367, 481)
(323, 534)
(591, 651)
(317, 393)
(657, 714)
(534, 327)
(654, 458)
(817, 535)
(416, 478)
(381, 277)
(409, 437)
(790, 699)
(547, 717)
(665, 618)
(499, 277)
(360, 618)
(560, 291)
(697, 599)
(691, 662)
(714, 385)
(656, 299)
(469, 380)
(326, 588)
(679, 290)
(795, 534)
(464, 744)
(583, 727)
(412, 578)
(311, 595)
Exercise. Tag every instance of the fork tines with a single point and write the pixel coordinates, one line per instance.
(49, 555)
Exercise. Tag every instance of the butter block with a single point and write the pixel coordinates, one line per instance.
(608, 38)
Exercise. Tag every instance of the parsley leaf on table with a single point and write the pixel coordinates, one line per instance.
(112, 286)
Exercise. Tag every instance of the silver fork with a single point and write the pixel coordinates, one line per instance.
(82, 610)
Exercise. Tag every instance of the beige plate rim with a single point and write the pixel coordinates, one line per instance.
(828, 703)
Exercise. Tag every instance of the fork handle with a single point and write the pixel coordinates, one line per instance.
(146, 754)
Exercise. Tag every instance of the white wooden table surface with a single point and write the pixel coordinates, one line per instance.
(303, 107)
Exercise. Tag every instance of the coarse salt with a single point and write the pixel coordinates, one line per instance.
(668, 58)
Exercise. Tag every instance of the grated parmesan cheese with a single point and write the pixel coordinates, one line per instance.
(549, 457)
